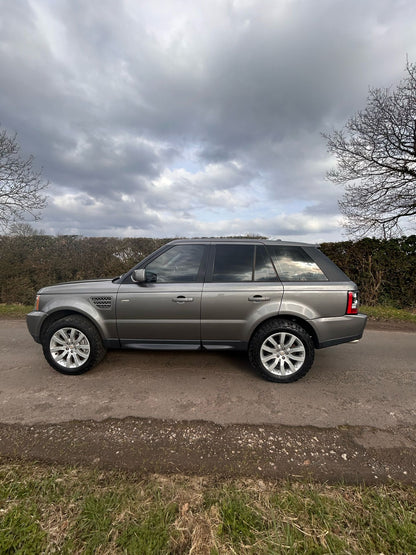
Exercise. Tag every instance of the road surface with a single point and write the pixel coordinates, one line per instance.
(362, 395)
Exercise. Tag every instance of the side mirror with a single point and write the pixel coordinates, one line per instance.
(143, 276)
(139, 276)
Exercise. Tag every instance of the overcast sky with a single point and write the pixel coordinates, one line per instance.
(193, 118)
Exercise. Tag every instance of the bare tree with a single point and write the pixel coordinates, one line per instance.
(376, 158)
(23, 229)
(21, 185)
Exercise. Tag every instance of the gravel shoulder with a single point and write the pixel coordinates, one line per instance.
(146, 446)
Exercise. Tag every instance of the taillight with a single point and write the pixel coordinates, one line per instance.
(352, 303)
(37, 302)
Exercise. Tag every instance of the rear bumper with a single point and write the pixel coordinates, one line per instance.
(34, 322)
(334, 331)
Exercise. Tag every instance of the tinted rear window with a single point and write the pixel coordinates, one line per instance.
(294, 264)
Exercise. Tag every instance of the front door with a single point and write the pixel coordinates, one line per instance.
(165, 312)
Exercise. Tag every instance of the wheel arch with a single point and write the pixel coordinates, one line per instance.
(59, 314)
(291, 318)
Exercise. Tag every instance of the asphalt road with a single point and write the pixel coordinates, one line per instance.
(370, 383)
(352, 417)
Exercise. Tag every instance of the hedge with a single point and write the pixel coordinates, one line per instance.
(384, 270)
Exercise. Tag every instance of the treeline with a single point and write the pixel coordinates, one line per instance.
(29, 263)
(385, 270)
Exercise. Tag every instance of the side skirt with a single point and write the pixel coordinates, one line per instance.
(161, 345)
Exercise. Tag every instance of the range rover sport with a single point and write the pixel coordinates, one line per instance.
(277, 300)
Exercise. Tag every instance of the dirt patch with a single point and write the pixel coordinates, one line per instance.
(347, 454)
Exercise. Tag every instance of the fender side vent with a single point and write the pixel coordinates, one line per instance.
(102, 303)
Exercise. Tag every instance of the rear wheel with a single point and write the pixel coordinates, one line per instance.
(281, 350)
(72, 345)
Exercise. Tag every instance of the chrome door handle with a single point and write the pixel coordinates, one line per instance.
(258, 299)
(183, 299)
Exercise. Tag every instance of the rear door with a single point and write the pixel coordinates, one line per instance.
(242, 288)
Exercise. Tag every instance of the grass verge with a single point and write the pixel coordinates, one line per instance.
(14, 310)
(51, 509)
(388, 313)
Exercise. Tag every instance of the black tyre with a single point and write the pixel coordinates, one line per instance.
(72, 345)
(281, 350)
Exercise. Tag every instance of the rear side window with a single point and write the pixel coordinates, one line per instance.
(239, 263)
(294, 264)
(264, 270)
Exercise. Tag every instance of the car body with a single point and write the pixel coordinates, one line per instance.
(278, 300)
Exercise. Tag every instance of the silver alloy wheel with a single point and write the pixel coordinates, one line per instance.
(69, 347)
(282, 353)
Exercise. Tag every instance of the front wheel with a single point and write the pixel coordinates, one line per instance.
(282, 351)
(72, 345)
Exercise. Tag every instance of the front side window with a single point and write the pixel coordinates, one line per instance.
(294, 264)
(180, 264)
(241, 263)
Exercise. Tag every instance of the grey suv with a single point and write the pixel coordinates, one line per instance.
(277, 300)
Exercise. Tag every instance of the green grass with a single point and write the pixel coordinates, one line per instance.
(14, 310)
(388, 313)
(51, 509)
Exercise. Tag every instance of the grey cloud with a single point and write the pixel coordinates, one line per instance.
(144, 99)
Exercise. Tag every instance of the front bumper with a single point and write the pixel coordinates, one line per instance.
(34, 321)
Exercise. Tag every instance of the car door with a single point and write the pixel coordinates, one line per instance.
(242, 289)
(166, 310)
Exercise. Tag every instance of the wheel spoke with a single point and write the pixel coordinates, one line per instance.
(291, 341)
(272, 342)
(274, 363)
(60, 356)
(292, 367)
(298, 358)
(76, 359)
(269, 349)
(60, 338)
